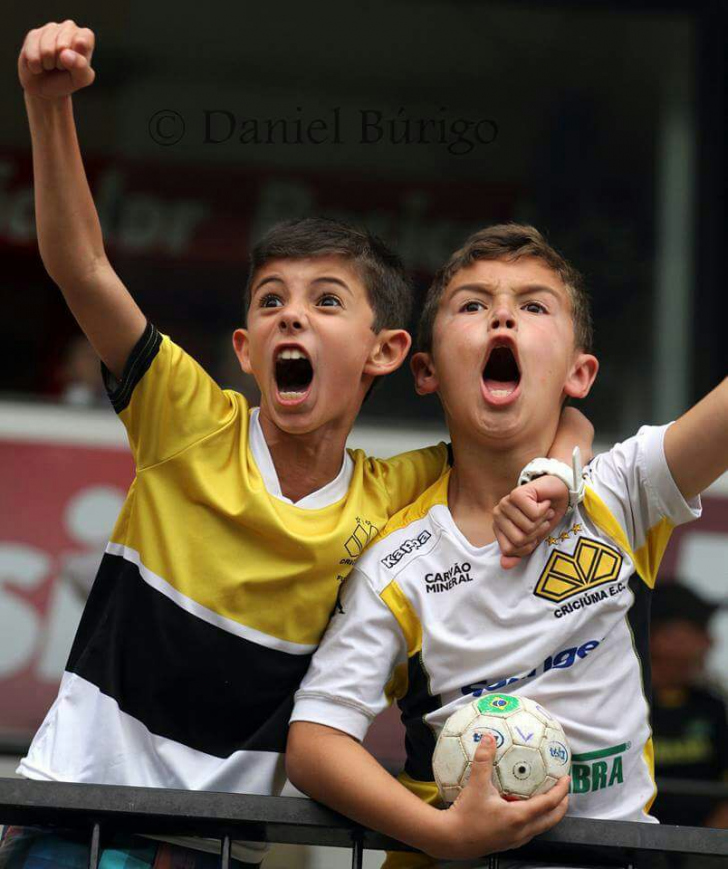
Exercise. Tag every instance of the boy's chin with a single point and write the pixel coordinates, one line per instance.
(492, 428)
(297, 418)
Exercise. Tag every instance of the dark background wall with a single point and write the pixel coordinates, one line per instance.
(601, 123)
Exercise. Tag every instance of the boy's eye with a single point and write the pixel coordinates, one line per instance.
(270, 300)
(534, 308)
(472, 306)
(328, 300)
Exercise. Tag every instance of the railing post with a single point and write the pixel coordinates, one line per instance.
(225, 853)
(93, 854)
(357, 851)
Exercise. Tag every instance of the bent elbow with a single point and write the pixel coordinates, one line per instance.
(297, 760)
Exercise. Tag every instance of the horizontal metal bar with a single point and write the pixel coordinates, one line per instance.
(301, 821)
(11, 746)
(688, 787)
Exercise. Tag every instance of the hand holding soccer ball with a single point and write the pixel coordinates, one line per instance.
(531, 754)
(468, 772)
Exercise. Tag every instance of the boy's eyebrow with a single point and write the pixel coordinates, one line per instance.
(490, 289)
(322, 279)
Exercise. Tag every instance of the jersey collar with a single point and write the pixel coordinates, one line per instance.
(324, 497)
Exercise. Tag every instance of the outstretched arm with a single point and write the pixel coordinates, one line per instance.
(335, 769)
(696, 446)
(54, 62)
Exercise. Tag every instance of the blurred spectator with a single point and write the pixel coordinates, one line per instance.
(690, 726)
(80, 375)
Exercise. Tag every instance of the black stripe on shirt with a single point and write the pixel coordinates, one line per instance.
(183, 678)
(137, 365)
(419, 737)
(639, 623)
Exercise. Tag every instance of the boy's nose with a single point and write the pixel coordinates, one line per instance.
(291, 320)
(502, 317)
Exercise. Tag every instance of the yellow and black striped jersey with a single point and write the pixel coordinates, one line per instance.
(212, 594)
(433, 621)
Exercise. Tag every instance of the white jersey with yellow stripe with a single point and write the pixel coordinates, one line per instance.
(432, 621)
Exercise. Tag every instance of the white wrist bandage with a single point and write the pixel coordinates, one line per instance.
(572, 476)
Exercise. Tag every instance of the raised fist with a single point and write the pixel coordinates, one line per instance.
(55, 60)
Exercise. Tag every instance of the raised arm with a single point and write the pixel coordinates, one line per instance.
(696, 446)
(54, 62)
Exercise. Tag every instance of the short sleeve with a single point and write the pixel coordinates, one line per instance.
(165, 400)
(357, 668)
(638, 498)
(406, 476)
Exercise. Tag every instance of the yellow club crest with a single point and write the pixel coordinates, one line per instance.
(593, 563)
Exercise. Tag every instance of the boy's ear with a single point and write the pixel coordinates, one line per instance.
(583, 373)
(424, 374)
(241, 345)
(389, 352)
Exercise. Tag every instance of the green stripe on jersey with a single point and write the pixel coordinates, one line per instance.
(602, 752)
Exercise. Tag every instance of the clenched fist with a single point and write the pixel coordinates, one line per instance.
(55, 60)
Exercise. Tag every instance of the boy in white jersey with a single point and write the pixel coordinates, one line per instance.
(225, 562)
(431, 617)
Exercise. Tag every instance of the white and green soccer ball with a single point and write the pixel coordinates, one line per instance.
(531, 749)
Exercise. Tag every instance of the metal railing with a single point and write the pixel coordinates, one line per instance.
(97, 809)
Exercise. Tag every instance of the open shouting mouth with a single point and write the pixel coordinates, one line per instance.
(293, 374)
(501, 375)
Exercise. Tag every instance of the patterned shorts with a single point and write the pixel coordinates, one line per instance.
(39, 848)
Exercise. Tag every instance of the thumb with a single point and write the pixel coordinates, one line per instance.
(507, 563)
(481, 769)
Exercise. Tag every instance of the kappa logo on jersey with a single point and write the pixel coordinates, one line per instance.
(593, 563)
(406, 547)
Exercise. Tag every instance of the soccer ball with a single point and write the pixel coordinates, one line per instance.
(531, 749)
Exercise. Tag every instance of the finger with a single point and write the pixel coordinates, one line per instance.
(512, 535)
(48, 46)
(530, 527)
(548, 820)
(481, 769)
(31, 52)
(65, 35)
(526, 499)
(78, 67)
(84, 42)
(522, 516)
(543, 804)
(508, 562)
(525, 550)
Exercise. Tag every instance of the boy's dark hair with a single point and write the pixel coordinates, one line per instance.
(510, 242)
(388, 288)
